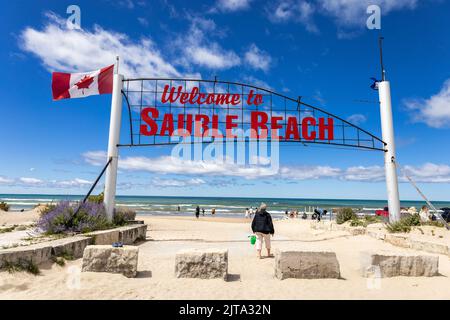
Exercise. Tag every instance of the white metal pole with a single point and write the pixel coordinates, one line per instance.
(113, 150)
(390, 160)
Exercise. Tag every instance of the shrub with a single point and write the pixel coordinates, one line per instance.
(59, 261)
(8, 229)
(122, 215)
(358, 223)
(46, 208)
(61, 258)
(4, 206)
(404, 224)
(62, 219)
(373, 219)
(21, 265)
(345, 214)
(66, 255)
(97, 199)
(438, 224)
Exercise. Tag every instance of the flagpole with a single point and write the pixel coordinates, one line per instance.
(387, 131)
(114, 136)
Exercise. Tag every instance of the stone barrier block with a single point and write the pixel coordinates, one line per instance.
(73, 246)
(355, 231)
(397, 240)
(37, 253)
(131, 233)
(104, 237)
(204, 264)
(104, 258)
(306, 265)
(376, 234)
(428, 246)
(394, 265)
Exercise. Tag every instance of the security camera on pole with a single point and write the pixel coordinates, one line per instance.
(113, 150)
(387, 131)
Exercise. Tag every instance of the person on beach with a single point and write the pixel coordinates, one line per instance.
(247, 213)
(262, 227)
(213, 211)
(424, 214)
(203, 211)
(197, 212)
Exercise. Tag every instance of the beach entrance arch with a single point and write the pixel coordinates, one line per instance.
(161, 111)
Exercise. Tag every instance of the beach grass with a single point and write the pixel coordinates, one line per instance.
(8, 229)
(20, 266)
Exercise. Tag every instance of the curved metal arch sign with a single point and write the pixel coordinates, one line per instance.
(163, 111)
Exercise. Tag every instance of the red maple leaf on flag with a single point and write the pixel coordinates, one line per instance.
(85, 82)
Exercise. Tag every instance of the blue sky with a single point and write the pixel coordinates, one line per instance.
(320, 50)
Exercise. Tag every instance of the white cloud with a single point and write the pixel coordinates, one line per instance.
(30, 181)
(62, 49)
(353, 12)
(434, 111)
(213, 57)
(96, 158)
(427, 173)
(309, 173)
(231, 5)
(198, 49)
(172, 165)
(257, 58)
(430, 172)
(4, 180)
(77, 182)
(41, 183)
(357, 118)
(345, 13)
(177, 182)
(361, 173)
(299, 11)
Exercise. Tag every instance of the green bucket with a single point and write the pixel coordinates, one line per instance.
(252, 239)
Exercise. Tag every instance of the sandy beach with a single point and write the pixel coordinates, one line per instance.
(14, 217)
(249, 278)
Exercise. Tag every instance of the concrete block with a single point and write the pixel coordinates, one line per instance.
(204, 264)
(306, 264)
(104, 258)
(376, 234)
(393, 265)
(37, 253)
(131, 233)
(73, 246)
(397, 240)
(104, 237)
(429, 246)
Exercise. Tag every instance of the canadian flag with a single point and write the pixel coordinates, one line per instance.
(78, 85)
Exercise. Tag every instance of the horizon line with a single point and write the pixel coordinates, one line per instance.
(223, 197)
